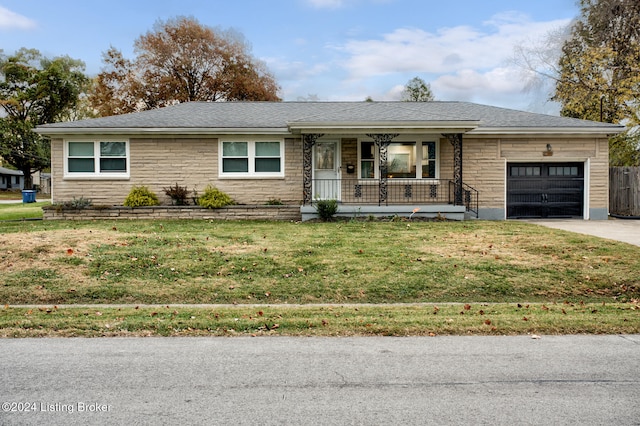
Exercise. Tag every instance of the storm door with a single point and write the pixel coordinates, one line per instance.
(326, 170)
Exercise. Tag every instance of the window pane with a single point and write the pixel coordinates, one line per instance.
(367, 151)
(366, 169)
(267, 149)
(235, 165)
(234, 149)
(401, 160)
(267, 165)
(429, 150)
(81, 149)
(81, 165)
(113, 149)
(429, 170)
(113, 165)
(429, 160)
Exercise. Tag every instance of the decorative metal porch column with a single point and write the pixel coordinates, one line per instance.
(382, 140)
(456, 141)
(308, 141)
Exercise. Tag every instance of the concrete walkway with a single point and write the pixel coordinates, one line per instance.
(625, 230)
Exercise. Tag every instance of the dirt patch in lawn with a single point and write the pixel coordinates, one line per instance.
(37, 250)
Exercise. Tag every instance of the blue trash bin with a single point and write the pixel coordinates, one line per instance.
(28, 196)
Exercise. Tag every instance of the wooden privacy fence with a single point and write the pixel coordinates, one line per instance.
(624, 191)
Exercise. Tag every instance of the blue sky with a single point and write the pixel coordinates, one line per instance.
(331, 49)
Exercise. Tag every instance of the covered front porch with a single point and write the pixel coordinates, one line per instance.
(402, 197)
(379, 175)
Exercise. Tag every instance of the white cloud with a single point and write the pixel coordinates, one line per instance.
(338, 4)
(472, 85)
(11, 20)
(327, 4)
(467, 63)
(447, 50)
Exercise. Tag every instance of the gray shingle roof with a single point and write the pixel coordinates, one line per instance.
(273, 115)
(5, 171)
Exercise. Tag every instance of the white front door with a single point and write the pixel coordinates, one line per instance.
(326, 170)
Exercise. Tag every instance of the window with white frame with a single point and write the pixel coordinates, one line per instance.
(405, 160)
(97, 158)
(252, 158)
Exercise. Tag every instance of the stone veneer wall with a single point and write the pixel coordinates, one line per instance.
(245, 212)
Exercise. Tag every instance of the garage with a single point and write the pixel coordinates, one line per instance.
(545, 190)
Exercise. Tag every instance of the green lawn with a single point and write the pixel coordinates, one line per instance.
(19, 211)
(449, 264)
(10, 195)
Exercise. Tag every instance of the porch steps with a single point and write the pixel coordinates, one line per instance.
(445, 211)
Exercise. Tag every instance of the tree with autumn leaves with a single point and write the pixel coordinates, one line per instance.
(599, 72)
(181, 60)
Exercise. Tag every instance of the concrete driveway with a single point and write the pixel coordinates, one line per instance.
(625, 230)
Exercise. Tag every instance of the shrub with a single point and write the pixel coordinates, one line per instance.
(326, 209)
(213, 198)
(75, 203)
(178, 194)
(274, 202)
(140, 196)
(80, 203)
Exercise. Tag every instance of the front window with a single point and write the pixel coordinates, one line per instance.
(97, 158)
(251, 158)
(405, 160)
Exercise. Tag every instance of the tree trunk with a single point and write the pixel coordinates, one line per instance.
(28, 179)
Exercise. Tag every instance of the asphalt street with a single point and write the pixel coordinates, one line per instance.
(585, 380)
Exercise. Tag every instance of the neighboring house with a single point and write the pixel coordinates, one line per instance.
(381, 157)
(11, 179)
(42, 181)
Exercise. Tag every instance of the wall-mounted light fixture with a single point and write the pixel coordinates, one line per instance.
(549, 151)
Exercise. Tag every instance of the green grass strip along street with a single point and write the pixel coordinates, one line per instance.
(351, 320)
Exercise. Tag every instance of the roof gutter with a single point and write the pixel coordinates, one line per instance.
(155, 131)
(566, 131)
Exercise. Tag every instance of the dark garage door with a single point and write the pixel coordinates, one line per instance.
(545, 190)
